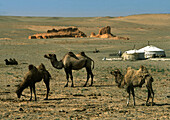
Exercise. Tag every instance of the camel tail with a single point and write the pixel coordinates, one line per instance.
(93, 64)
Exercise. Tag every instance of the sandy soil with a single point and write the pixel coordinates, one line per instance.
(104, 100)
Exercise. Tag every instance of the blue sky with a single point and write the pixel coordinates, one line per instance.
(82, 8)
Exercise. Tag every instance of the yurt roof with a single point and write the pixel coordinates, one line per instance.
(133, 51)
(150, 48)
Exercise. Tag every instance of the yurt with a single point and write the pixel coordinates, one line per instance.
(152, 51)
(133, 55)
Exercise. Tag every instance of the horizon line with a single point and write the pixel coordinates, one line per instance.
(82, 16)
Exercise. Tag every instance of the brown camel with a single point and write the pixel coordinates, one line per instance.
(73, 62)
(32, 76)
(134, 78)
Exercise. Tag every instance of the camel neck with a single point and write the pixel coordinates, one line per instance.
(57, 64)
(54, 62)
(22, 87)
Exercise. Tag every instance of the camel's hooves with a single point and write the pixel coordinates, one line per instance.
(84, 85)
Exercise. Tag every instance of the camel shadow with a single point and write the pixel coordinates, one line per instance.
(156, 104)
(163, 104)
(96, 86)
(58, 99)
(104, 85)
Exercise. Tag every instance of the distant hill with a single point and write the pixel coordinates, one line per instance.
(147, 19)
(16, 27)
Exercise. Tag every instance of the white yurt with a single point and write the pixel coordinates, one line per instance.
(152, 51)
(133, 55)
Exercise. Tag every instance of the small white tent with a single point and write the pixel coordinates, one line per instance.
(152, 52)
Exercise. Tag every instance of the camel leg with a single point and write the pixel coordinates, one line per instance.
(128, 90)
(71, 77)
(67, 77)
(91, 77)
(34, 92)
(48, 88)
(149, 94)
(88, 76)
(152, 95)
(133, 94)
(31, 92)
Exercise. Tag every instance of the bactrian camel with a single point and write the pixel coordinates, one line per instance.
(73, 62)
(11, 61)
(32, 76)
(134, 78)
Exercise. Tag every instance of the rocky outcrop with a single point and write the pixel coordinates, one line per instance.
(93, 34)
(106, 33)
(105, 30)
(65, 32)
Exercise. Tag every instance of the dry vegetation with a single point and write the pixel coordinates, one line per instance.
(104, 100)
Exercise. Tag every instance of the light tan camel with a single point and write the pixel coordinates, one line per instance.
(73, 62)
(134, 78)
(32, 76)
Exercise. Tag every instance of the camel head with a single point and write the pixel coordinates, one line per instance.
(19, 92)
(118, 76)
(57, 64)
(32, 68)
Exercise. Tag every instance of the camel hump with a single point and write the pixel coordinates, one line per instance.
(30, 67)
(83, 54)
(72, 55)
(41, 67)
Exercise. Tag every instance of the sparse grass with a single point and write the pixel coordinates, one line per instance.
(161, 70)
(153, 70)
(159, 78)
(84, 89)
(9, 73)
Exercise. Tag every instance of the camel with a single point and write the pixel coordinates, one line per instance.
(11, 61)
(73, 62)
(134, 78)
(35, 74)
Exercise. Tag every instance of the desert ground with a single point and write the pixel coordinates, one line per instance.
(104, 100)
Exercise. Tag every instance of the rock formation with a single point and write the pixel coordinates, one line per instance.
(93, 34)
(106, 33)
(65, 32)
